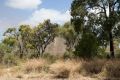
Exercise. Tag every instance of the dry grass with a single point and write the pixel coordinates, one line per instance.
(93, 66)
(2, 72)
(113, 69)
(35, 65)
(65, 69)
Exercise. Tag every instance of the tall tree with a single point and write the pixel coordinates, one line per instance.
(44, 34)
(100, 16)
(26, 34)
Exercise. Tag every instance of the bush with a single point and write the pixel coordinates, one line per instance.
(87, 47)
(49, 57)
(113, 69)
(1, 55)
(118, 53)
(101, 53)
(68, 55)
(10, 59)
(93, 67)
(31, 55)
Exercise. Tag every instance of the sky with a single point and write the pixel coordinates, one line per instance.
(16, 12)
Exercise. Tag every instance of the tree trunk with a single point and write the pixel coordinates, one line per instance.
(112, 55)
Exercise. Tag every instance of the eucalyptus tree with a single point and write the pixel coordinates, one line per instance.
(68, 33)
(11, 32)
(26, 34)
(11, 37)
(44, 34)
(18, 39)
(99, 16)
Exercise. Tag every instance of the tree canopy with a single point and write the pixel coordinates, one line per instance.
(101, 17)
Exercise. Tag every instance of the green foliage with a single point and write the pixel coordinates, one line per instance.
(50, 57)
(117, 53)
(9, 41)
(68, 33)
(92, 15)
(10, 59)
(26, 39)
(87, 47)
(68, 55)
(44, 34)
(101, 53)
(2, 51)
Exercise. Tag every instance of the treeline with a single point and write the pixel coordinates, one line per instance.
(25, 39)
(31, 42)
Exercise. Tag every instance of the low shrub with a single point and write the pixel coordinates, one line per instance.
(50, 58)
(93, 67)
(68, 55)
(113, 69)
(10, 59)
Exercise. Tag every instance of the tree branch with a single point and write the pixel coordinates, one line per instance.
(104, 8)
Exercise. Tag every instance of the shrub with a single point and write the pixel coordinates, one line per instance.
(68, 55)
(113, 69)
(101, 53)
(10, 59)
(50, 58)
(1, 55)
(118, 53)
(93, 67)
(87, 46)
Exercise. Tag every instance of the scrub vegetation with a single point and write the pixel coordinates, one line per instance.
(91, 37)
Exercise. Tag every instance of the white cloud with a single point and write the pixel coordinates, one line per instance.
(23, 4)
(54, 15)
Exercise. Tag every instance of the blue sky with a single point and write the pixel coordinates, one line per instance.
(17, 12)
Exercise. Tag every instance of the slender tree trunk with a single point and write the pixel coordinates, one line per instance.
(112, 55)
(38, 52)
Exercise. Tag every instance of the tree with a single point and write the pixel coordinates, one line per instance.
(26, 39)
(26, 35)
(18, 39)
(11, 38)
(99, 16)
(87, 46)
(10, 42)
(44, 34)
(68, 33)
